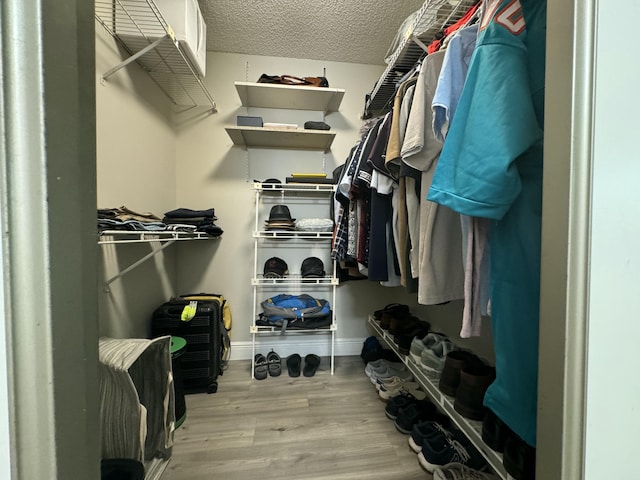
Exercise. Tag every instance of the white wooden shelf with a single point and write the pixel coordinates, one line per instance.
(471, 428)
(299, 139)
(266, 95)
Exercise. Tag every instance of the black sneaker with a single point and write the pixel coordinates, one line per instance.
(394, 404)
(430, 429)
(414, 413)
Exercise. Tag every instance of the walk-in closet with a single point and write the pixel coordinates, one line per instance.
(348, 240)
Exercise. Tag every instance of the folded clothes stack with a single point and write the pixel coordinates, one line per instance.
(187, 219)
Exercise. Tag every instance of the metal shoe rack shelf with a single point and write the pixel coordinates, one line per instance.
(471, 428)
(314, 195)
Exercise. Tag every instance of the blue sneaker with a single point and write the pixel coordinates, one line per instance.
(417, 412)
(394, 404)
(453, 450)
(429, 431)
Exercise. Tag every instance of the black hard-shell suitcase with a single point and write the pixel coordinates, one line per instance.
(202, 360)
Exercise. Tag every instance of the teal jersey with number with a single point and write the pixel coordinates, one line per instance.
(491, 166)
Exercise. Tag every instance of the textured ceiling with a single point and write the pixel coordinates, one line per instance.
(353, 31)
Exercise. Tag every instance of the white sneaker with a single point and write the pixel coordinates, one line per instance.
(391, 371)
(388, 383)
(433, 357)
(458, 471)
(378, 366)
(388, 390)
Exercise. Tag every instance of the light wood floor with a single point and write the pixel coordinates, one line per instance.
(318, 428)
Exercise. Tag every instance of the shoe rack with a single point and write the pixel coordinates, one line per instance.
(471, 428)
(290, 245)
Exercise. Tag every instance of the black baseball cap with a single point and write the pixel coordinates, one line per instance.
(275, 268)
(312, 267)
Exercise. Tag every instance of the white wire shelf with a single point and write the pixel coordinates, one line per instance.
(471, 428)
(431, 19)
(294, 280)
(283, 235)
(130, 236)
(140, 29)
(260, 329)
(158, 240)
(294, 187)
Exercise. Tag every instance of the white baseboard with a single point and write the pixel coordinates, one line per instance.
(287, 345)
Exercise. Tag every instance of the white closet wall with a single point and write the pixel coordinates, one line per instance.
(136, 155)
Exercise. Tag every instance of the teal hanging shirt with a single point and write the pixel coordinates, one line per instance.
(491, 166)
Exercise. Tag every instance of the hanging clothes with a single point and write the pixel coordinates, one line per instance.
(436, 249)
(475, 247)
(491, 166)
(452, 78)
(401, 227)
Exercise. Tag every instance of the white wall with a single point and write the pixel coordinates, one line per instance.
(212, 172)
(613, 385)
(136, 152)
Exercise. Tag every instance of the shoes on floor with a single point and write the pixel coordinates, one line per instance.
(294, 362)
(383, 370)
(394, 404)
(385, 376)
(433, 356)
(260, 367)
(458, 471)
(311, 364)
(274, 363)
(416, 412)
(371, 349)
(429, 430)
(380, 365)
(450, 450)
(396, 386)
